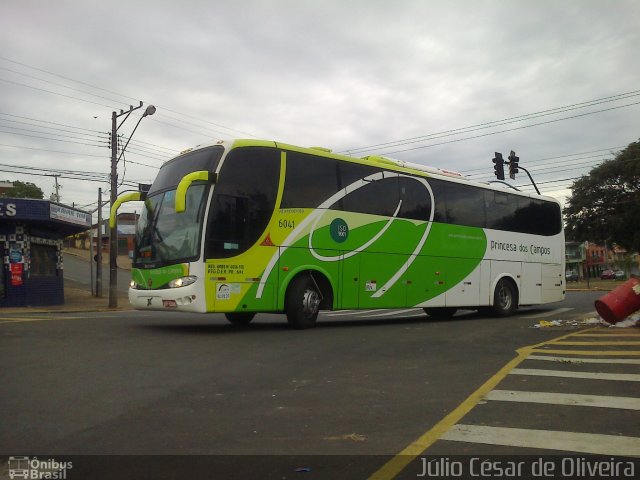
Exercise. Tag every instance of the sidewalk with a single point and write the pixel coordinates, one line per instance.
(75, 300)
(78, 298)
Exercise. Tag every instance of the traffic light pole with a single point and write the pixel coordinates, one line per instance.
(514, 167)
(530, 178)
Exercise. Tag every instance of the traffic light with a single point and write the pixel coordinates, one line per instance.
(513, 165)
(499, 166)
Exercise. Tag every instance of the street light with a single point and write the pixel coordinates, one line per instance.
(113, 231)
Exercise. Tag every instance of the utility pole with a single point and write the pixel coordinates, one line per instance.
(57, 194)
(113, 230)
(99, 249)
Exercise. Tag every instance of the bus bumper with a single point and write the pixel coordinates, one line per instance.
(179, 299)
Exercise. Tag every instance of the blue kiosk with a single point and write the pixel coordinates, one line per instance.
(31, 234)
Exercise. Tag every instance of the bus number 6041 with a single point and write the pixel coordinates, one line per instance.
(283, 223)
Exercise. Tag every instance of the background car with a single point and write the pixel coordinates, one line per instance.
(607, 275)
(619, 275)
(571, 276)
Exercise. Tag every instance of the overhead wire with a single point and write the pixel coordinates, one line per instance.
(495, 123)
(512, 129)
(114, 93)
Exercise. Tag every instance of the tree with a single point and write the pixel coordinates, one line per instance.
(24, 190)
(605, 204)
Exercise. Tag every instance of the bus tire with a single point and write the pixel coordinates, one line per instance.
(440, 312)
(302, 302)
(505, 298)
(240, 319)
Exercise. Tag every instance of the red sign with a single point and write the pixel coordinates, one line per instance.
(16, 274)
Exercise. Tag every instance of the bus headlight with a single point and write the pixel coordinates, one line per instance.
(182, 281)
(134, 285)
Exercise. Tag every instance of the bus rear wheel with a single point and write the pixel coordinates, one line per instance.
(239, 319)
(505, 298)
(302, 302)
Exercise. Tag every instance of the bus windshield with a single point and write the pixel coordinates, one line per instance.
(165, 237)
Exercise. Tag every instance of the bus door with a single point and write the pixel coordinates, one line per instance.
(464, 292)
(552, 281)
(531, 284)
(428, 280)
(376, 269)
(349, 282)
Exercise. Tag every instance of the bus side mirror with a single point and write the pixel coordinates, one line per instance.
(125, 197)
(185, 183)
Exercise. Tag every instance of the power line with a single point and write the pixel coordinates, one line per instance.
(56, 93)
(52, 151)
(51, 123)
(530, 162)
(58, 84)
(52, 139)
(495, 123)
(108, 91)
(54, 133)
(512, 129)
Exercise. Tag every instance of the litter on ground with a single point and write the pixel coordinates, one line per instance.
(629, 322)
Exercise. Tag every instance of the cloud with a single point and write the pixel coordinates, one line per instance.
(342, 75)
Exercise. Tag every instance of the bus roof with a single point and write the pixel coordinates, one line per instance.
(373, 160)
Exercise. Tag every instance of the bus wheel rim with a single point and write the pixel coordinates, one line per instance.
(504, 298)
(310, 302)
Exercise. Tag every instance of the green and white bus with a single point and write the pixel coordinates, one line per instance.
(248, 226)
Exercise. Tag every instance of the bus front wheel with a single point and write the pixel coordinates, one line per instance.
(302, 302)
(239, 319)
(505, 298)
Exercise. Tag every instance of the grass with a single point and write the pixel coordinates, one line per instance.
(595, 284)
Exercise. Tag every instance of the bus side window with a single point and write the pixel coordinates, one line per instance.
(439, 195)
(416, 201)
(378, 197)
(310, 180)
(538, 217)
(501, 210)
(465, 205)
(243, 201)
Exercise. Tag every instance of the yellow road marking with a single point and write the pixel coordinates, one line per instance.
(398, 463)
(626, 334)
(619, 342)
(35, 319)
(589, 352)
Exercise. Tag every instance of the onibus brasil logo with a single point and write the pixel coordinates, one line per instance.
(33, 468)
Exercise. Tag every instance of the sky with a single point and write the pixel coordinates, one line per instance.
(440, 83)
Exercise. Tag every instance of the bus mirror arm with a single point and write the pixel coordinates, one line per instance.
(125, 197)
(185, 183)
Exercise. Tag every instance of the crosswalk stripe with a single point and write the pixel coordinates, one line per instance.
(633, 361)
(623, 377)
(593, 443)
(571, 399)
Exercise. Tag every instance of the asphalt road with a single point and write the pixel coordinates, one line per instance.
(361, 384)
